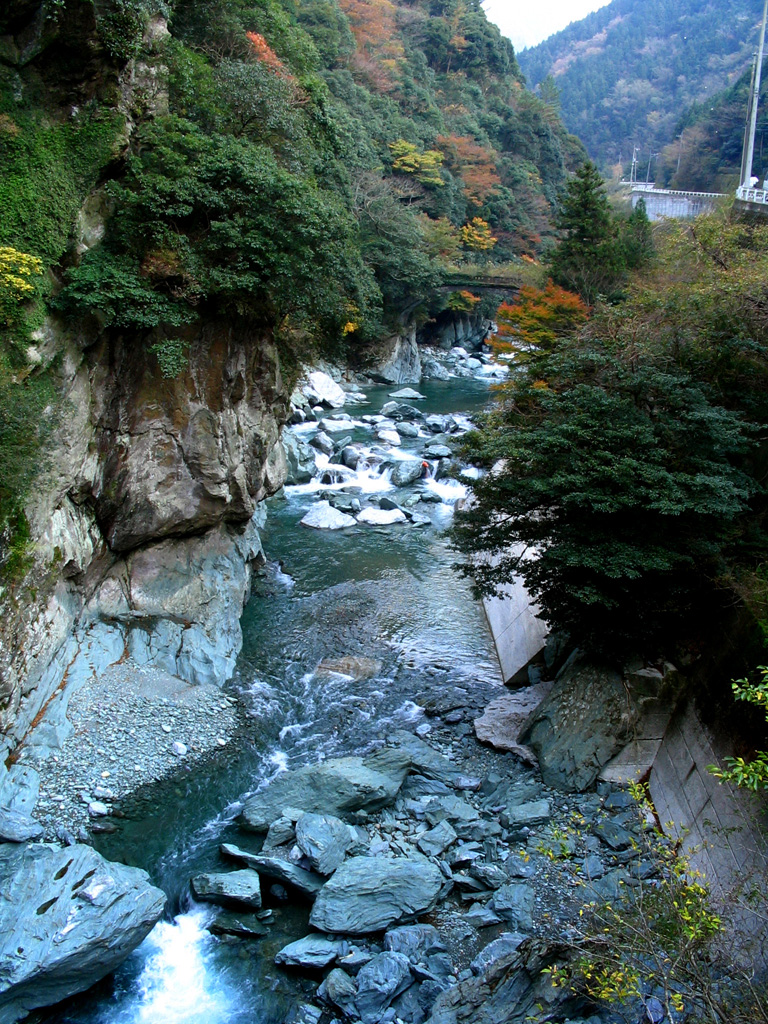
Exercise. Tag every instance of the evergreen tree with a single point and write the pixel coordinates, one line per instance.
(587, 259)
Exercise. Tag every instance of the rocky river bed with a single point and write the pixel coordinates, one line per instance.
(334, 841)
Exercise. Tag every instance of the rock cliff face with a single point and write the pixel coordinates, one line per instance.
(143, 520)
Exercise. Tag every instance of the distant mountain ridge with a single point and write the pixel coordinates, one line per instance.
(627, 72)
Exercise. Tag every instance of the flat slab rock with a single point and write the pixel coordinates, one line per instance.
(368, 894)
(323, 516)
(228, 888)
(503, 720)
(305, 882)
(68, 918)
(337, 786)
(313, 952)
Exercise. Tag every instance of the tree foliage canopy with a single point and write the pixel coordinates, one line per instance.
(624, 474)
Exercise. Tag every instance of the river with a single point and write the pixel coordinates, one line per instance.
(387, 596)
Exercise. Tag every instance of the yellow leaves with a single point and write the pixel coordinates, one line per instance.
(477, 235)
(425, 167)
(349, 327)
(16, 269)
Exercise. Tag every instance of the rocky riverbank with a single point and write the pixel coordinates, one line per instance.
(430, 864)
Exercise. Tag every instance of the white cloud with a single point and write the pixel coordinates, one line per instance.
(527, 23)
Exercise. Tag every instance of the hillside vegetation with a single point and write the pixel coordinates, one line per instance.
(312, 167)
(625, 73)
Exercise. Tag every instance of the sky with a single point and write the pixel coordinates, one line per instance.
(527, 22)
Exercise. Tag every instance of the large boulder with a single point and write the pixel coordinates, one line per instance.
(337, 786)
(578, 728)
(323, 516)
(406, 471)
(299, 457)
(238, 888)
(320, 388)
(313, 952)
(379, 982)
(368, 894)
(397, 361)
(324, 841)
(68, 918)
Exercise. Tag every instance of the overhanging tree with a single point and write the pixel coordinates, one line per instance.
(621, 479)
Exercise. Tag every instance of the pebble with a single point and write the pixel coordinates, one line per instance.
(165, 727)
(179, 749)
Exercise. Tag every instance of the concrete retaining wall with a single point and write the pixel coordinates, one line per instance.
(518, 633)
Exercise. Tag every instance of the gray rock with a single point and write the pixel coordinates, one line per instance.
(481, 917)
(426, 759)
(450, 808)
(19, 788)
(322, 516)
(299, 457)
(305, 1014)
(432, 370)
(504, 719)
(511, 990)
(68, 918)
(406, 471)
(368, 894)
(438, 451)
(231, 887)
(336, 786)
(414, 941)
(490, 874)
(280, 832)
(438, 839)
(398, 360)
(407, 393)
(324, 840)
(527, 815)
(514, 903)
(322, 442)
(435, 423)
(613, 835)
(381, 516)
(313, 951)
(407, 1008)
(503, 946)
(339, 990)
(593, 866)
(379, 982)
(244, 926)
(408, 430)
(578, 728)
(322, 388)
(16, 827)
(305, 882)
(354, 959)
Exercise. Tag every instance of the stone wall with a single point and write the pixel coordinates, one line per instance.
(725, 827)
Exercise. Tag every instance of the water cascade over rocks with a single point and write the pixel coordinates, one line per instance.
(355, 854)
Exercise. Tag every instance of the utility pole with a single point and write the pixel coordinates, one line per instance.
(746, 169)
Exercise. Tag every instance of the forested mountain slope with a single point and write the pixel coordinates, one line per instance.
(626, 72)
(309, 167)
(706, 153)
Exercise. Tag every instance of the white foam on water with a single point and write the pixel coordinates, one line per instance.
(175, 985)
(450, 491)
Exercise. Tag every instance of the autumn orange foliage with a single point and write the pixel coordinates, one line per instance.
(266, 54)
(473, 163)
(374, 26)
(538, 319)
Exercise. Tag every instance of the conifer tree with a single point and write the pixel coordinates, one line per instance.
(588, 259)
